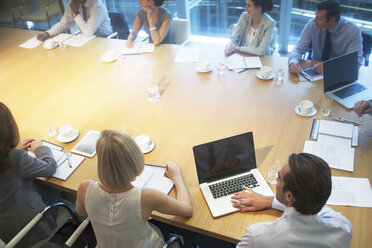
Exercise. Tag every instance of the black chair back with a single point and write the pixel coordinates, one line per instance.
(119, 24)
(367, 44)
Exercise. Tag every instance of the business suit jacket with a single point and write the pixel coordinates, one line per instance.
(19, 201)
(263, 42)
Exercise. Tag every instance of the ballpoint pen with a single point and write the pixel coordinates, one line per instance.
(243, 70)
(347, 121)
(68, 160)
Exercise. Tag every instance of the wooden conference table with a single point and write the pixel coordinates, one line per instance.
(74, 87)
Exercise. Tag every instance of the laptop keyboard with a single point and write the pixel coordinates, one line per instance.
(231, 186)
(349, 91)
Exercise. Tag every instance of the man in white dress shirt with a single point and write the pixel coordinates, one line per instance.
(304, 186)
(90, 16)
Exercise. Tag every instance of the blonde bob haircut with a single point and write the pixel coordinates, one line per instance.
(120, 160)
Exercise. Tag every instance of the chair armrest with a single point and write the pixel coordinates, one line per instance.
(115, 34)
(173, 240)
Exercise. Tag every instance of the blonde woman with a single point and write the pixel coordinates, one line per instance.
(119, 211)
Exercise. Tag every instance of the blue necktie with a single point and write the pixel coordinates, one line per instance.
(327, 46)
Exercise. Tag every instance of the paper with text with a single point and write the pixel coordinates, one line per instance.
(349, 191)
(78, 40)
(31, 43)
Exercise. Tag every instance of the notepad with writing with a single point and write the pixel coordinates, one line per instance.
(138, 48)
(153, 177)
(236, 61)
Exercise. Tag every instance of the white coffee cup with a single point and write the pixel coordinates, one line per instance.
(48, 44)
(266, 71)
(66, 131)
(203, 65)
(144, 141)
(306, 106)
(108, 55)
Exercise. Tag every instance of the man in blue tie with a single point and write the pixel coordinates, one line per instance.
(90, 16)
(327, 36)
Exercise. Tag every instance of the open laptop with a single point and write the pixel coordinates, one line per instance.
(340, 80)
(223, 166)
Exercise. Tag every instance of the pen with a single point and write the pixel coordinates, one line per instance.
(68, 159)
(243, 70)
(347, 121)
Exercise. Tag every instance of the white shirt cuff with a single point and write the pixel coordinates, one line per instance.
(278, 205)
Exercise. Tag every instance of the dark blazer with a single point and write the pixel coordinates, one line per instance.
(19, 201)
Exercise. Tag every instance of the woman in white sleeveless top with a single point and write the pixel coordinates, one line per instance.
(119, 211)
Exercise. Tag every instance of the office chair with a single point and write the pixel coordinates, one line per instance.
(47, 10)
(119, 26)
(64, 214)
(9, 13)
(180, 31)
(367, 44)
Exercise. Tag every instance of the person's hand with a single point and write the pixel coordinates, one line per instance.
(148, 10)
(294, 68)
(26, 144)
(75, 6)
(173, 171)
(318, 68)
(35, 144)
(229, 50)
(362, 107)
(42, 37)
(129, 43)
(252, 201)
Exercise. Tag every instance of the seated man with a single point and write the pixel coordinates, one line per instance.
(90, 16)
(304, 185)
(362, 107)
(327, 36)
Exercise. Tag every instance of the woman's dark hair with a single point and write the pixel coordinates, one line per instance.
(158, 2)
(9, 135)
(309, 180)
(266, 5)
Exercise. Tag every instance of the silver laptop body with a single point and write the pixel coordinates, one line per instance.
(221, 161)
(340, 80)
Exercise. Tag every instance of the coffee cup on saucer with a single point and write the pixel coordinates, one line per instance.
(145, 143)
(203, 65)
(67, 133)
(306, 106)
(50, 44)
(109, 56)
(266, 71)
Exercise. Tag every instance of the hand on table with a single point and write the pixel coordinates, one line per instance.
(252, 201)
(173, 171)
(35, 144)
(26, 144)
(42, 37)
(294, 68)
(362, 107)
(318, 68)
(129, 43)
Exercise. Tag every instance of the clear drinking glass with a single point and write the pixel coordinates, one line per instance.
(280, 76)
(121, 59)
(151, 83)
(273, 170)
(51, 129)
(326, 106)
(62, 46)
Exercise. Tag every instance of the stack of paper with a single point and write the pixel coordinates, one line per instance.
(237, 61)
(153, 177)
(31, 43)
(334, 140)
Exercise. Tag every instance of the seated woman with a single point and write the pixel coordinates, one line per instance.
(255, 30)
(119, 211)
(19, 200)
(155, 21)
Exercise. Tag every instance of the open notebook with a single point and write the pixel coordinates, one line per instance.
(153, 177)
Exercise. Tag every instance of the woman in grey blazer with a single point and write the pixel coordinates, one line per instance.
(255, 32)
(19, 201)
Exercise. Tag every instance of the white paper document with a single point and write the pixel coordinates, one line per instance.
(66, 163)
(153, 177)
(336, 129)
(31, 43)
(61, 37)
(236, 61)
(78, 40)
(348, 191)
(187, 54)
(138, 48)
(337, 156)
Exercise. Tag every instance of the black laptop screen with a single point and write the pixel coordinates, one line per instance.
(340, 71)
(226, 157)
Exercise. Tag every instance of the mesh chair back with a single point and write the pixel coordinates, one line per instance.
(367, 44)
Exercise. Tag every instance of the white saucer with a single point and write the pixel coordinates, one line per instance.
(108, 59)
(259, 75)
(51, 45)
(198, 69)
(312, 111)
(62, 139)
(149, 148)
